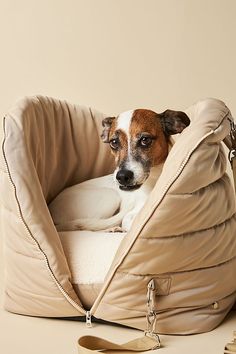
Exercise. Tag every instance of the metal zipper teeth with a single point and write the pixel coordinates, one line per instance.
(168, 185)
(69, 299)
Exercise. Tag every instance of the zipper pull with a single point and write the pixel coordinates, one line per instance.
(151, 295)
(88, 319)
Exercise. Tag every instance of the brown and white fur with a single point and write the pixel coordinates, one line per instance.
(139, 140)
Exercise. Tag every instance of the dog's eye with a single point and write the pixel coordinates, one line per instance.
(114, 144)
(145, 141)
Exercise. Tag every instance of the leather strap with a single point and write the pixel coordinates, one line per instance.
(91, 344)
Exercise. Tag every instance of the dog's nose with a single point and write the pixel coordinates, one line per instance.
(124, 177)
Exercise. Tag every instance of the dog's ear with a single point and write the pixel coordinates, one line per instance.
(174, 122)
(106, 123)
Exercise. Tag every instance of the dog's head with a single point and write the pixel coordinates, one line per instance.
(139, 140)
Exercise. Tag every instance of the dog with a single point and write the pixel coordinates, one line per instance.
(140, 141)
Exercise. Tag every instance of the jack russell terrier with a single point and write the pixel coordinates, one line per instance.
(140, 141)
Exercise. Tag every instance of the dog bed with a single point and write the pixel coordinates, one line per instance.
(181, 250)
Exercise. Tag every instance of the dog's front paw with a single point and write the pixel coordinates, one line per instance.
(115, 229)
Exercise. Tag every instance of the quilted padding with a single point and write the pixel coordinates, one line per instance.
(184, 237)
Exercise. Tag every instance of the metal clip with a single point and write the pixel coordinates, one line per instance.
(231, 155)
(232, 152)
(232, 130)
(156, 337)
(150, 294)
(151, 314)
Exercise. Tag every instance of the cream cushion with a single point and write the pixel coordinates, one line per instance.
(90, 255)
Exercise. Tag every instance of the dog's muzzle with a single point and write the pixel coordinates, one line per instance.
(126, 180)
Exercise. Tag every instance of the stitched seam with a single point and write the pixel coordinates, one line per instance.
(125, 308)
(181, 271)
(192, 233)
(224, 178)
(186, 307)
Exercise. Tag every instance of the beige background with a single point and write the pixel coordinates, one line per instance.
(114, 55)
(119, 54)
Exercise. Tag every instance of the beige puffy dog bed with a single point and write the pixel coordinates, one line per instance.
(182, 242)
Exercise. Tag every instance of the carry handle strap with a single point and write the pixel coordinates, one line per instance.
(149, 341)
(91, 344)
